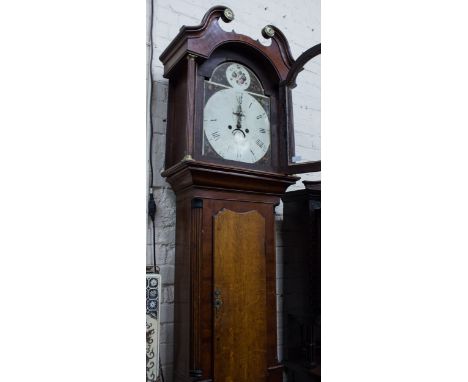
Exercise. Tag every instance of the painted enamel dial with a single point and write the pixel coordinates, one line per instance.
(238, 76)
(237, 126)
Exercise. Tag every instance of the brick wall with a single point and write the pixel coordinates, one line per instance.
(300, 22)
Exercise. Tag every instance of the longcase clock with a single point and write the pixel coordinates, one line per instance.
(227, 161)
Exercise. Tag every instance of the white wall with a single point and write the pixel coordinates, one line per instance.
(300, 22)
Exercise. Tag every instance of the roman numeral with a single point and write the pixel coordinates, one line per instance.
(250, 104)
(253, 155)
(215, 135)
(262, 130)
(261, 115)
(213, 120)
(259, 143)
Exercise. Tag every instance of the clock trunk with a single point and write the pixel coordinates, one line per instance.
(225, 287)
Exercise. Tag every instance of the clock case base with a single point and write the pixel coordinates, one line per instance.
(205, 192)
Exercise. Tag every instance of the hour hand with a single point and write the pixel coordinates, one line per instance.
(238, 113)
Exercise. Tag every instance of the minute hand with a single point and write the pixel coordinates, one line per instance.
(239, 113)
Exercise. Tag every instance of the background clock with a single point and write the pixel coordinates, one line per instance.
(236, 120)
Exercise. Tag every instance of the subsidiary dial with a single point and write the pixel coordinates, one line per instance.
(238, 76)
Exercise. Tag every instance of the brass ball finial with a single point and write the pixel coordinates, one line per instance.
(268, 31)
(228, 15)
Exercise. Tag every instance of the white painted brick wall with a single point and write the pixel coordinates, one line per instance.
(300, 22)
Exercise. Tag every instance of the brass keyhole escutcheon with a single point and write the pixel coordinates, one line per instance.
(218, 302)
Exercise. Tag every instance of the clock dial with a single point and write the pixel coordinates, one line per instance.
(236, 120)
(237, 126)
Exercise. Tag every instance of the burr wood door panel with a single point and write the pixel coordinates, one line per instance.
(240, 322)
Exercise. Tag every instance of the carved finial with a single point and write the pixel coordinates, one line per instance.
(268, 31)
(228, 15)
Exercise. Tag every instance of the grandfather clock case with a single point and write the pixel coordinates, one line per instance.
(225, 274)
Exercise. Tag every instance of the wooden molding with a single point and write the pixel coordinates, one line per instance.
(196, 253)
(201, 40)
(298, 66)
(192, 173)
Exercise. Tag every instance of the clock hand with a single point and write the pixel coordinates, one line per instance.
(238, 124)
(239, 114)
(239, 117)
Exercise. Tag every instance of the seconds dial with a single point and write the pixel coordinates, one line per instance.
(237, 126)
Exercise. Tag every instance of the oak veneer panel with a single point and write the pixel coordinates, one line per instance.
(240, 341)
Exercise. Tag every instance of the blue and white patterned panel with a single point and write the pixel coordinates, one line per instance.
(153, 293)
